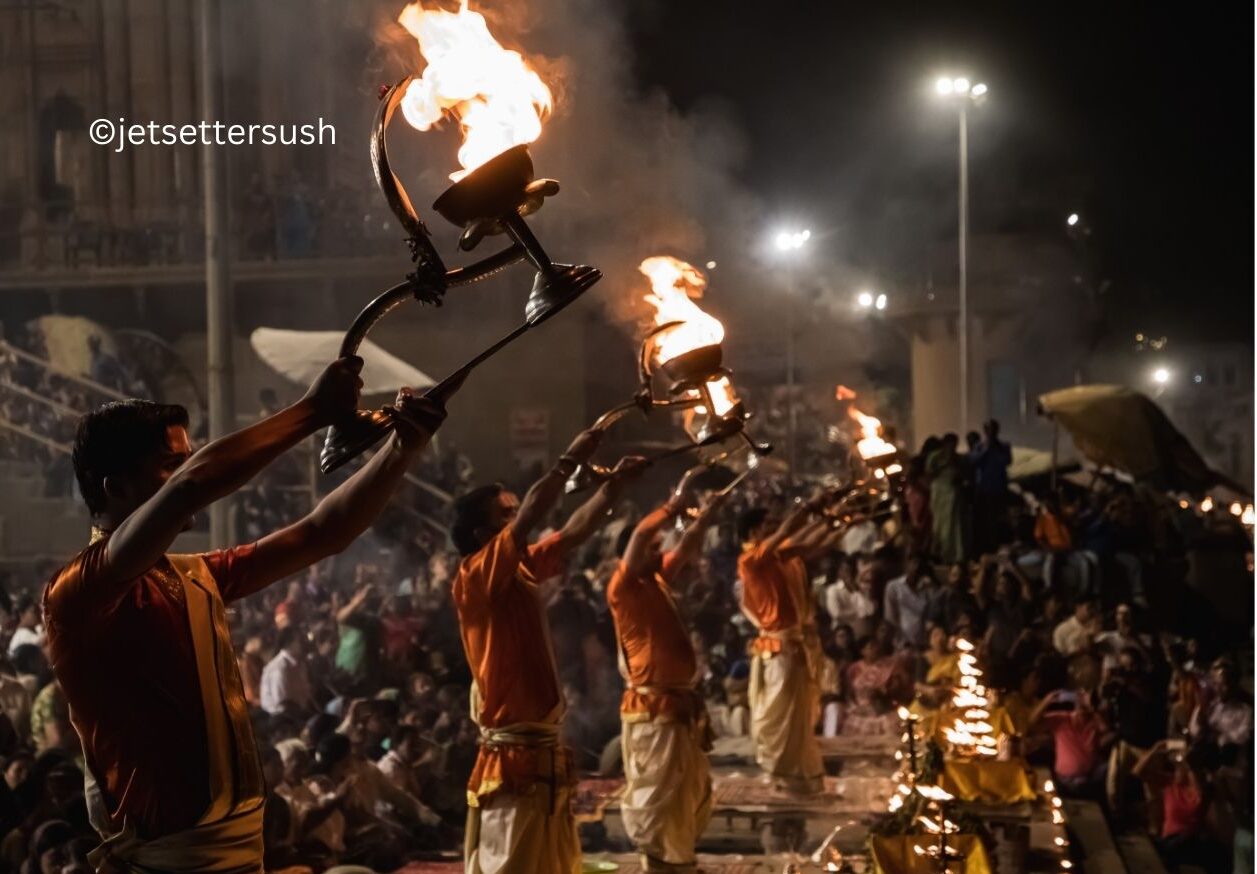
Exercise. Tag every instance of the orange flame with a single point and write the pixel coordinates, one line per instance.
(871, 445)
(673, 282)
(497, 99)
(722, 397)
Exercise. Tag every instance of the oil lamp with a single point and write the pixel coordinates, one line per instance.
(489, 200)
(697, 383)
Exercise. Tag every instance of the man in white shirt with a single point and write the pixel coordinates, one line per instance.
(398, 764)
(853, 603)
(1076, 633)
(285, 680)
(1111, 643)
(29, 631)
(907, 599)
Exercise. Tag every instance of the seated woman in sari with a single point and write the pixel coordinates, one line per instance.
(937, 669)
(873, 686)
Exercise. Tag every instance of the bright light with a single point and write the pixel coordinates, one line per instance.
(880, 303)
(1072, 220)
(711, 265)
(961, 85)
(787, 240)
(1198, 379)
(1161, 376)
(1237, 509)
(944, 86)
(865, 299)
(979, 89)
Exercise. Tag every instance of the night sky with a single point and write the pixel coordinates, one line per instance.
(1137, 116)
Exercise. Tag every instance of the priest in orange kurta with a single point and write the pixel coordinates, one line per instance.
(519, 817)
(138, 637)
(784, 690)
(664, 737)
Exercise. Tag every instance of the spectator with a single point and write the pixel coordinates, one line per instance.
(1228, 719)
(948, 502)
(285, 684)
(1080, 738)
(1177, 784)
(907, 601)
(1075, 634)
(853, 602)
(29, 629)
(990, 459)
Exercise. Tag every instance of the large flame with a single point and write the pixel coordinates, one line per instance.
(672, 282)
(871, 444)
(497, 99)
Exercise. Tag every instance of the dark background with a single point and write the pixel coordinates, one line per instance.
(1137, 116)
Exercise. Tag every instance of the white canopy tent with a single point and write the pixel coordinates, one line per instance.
(301, 356)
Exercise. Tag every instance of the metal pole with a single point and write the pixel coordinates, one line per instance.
(791, 421)
(218, 320)
(963, 319)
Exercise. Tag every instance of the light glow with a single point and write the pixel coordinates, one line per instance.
(497, 99)
(790, 240)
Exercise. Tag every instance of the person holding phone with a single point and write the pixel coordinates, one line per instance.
(1080, 737)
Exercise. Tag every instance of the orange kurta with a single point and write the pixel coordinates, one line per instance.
(659, 662)
(506, 638)
(125, 658)
(768, 596)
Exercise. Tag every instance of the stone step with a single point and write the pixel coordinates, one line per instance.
(1140, 855)
(1086, 822)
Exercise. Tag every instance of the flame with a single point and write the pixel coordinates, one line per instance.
(871, 445)
(722, 396)
(496, 98)
(673, 283)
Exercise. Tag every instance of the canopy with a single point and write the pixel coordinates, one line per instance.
(1030, 463)
(302, 355)
(1118, 427)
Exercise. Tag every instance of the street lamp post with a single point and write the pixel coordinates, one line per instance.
(789, 242)
(960, 90)
(962, 331)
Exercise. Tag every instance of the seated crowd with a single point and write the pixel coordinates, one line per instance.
(360, 690)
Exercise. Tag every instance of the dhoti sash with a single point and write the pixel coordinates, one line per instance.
(529, 735)
(699, 718)
(227, 839)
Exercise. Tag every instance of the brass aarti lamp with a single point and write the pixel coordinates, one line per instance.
(490, 200)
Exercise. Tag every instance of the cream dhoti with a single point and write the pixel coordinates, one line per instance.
(667, 790)
(523, 828)
(783, 703)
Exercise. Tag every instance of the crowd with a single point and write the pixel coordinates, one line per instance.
(359, 687)
(46, 404)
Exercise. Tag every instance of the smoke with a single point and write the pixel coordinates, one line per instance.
(639, 178)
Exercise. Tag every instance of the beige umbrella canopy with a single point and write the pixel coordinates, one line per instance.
(302, 355)
(1029, 463)
(1118, 427)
